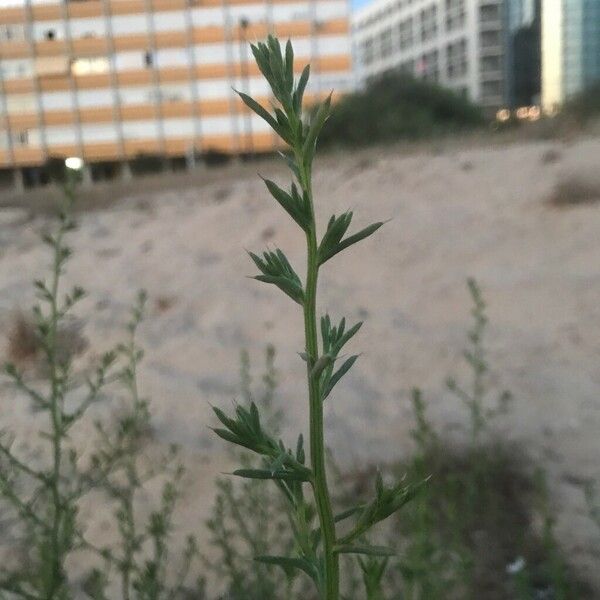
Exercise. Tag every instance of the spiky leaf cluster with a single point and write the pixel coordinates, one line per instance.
(386, 502)
(334, 339)
(276, 269)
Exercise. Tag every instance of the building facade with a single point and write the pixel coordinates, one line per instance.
(523, 53)
(457, 43)
(570, 49)
(106, 80)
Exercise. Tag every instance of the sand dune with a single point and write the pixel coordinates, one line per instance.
(461, 211)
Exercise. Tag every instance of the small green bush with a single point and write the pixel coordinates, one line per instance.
(585, 105)
(398, 106)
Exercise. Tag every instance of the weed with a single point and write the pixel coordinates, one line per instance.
(44, 498)
(317, 549)
(576, 189)
(248, 518)
(142, 555)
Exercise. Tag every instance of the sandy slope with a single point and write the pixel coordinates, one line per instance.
(456, 213)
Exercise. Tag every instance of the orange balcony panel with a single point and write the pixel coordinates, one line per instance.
(126, 7)
(214, 107)
(54, 83)
(12, 14)
(174, 74)
(63, 150)
(46, 12)
(14, 49)
(138, 111)
(136, 77)
(50, 47)
(136, 147)
(59, 117)
(171, 39)
(168, 5)
(208, 35)
(98, 80)
(101, 151)
(90, 46)
(132, 42)
(81, 10)
(28, 156)
(21, 122)
(176, 109)
(19, 86)
(211, 71)
(335, 26)
(96, 115)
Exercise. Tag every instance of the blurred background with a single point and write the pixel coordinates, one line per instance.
(473, 125)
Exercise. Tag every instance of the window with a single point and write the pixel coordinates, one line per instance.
(385, 41)
(14, 138)
(12, 32)
(456, 14)
(491, 88)
(489, 39)
(456, 59)
(490, 63)
(406, 33)
(489, 12)
(428, 66)
(428, 23)
(368, 51)
(15, 69)
(89, 66)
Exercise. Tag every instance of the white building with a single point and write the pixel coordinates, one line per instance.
(457, 43)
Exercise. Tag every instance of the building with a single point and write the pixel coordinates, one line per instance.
(106, 80)
(570, 49)
(523, 53)
(458, 43)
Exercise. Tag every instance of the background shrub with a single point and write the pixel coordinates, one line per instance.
(398, 106)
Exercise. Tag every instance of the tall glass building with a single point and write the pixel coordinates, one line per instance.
(570, 48)
(523, 52)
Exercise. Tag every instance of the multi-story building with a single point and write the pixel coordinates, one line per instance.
(457, 43)
(523, 53)
(106, 80)
(570, 48)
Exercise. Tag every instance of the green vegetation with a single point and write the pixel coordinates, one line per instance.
(317, 549)
(585, 105)
(477, 519)
(398, 106)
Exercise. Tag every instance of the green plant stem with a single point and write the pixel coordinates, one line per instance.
(56, 417)
(317, 447)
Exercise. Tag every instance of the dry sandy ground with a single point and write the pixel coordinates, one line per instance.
(456, 212)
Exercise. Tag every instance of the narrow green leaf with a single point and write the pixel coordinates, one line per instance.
(352, 239)
(365, 549)
(292, 289)
(260, 110)
(347, 513)
(299, 94)
(346, 366)
(288, 564)
(267, 474)
(289, 66)
(314, 129)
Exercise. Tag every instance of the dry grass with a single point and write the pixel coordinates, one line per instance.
(575, 189)
(24, 347)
